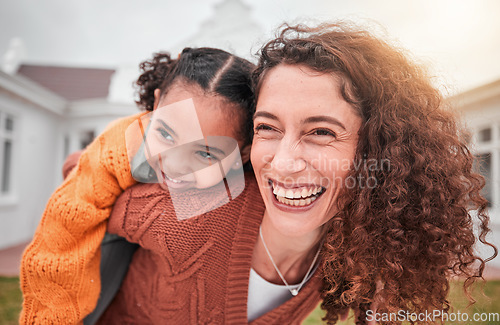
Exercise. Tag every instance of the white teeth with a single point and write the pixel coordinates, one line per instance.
(296, 197)
(295, 203)
(171, 179)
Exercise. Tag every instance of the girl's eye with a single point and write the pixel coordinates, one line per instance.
(164, 133)
(207, 155)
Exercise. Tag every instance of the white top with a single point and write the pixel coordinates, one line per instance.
(264, 296)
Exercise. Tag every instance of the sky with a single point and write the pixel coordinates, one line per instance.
(459, 40)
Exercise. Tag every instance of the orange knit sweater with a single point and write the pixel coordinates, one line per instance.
(194, 271)
(60, 268)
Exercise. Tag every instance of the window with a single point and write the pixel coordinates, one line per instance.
(7, 127)
(488, 162)
(86, 137)
(484, 135)
(66, 147)
(485, 169)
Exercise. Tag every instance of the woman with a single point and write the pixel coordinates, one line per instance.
(405, 224)
(355, 157)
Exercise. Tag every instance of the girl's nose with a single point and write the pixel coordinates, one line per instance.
(175, 162)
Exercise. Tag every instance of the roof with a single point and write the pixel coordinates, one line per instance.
(473, 97)
(70, 83)
(31, 91)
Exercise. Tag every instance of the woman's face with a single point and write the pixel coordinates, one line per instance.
(305, 140)
(189, 135)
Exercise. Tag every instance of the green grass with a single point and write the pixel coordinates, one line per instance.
(11, 299)
(489, 302)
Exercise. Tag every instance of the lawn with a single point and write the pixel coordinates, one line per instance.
(10, 303)
(487, 303)
(10, 300)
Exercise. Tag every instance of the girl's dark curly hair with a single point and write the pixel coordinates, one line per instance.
(217, 72)
(409, 226)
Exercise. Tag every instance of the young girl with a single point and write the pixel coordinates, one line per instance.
(59, 271)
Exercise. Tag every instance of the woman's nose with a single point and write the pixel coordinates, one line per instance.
(288, 158)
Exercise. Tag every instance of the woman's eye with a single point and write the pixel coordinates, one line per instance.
(324, 132)
(263, 127)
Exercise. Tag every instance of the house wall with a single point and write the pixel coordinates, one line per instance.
(91, 116)
(37, 161)
(39, 152)
(478, 114)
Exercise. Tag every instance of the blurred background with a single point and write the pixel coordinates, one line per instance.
(67, 68)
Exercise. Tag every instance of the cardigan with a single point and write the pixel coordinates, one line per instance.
(60, 267)
(194, 271)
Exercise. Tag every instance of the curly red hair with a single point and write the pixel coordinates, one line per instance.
(414, 229)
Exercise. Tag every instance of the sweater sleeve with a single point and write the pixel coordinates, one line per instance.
(70, 163)
(118, 215)
(60, 268)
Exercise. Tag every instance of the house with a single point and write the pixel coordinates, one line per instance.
(480, 109)
(230, 28)
(46, 112)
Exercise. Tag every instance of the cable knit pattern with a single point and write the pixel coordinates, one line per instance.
(60, 268)
(194, 271)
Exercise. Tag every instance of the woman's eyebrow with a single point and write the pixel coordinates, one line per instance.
(323, 118)
(172, 132)
(265, 114)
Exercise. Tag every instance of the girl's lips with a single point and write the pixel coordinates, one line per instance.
(173, 183)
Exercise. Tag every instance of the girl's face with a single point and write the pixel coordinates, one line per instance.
(304, 143)
(191, 141)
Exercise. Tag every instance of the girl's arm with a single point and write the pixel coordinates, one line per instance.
(60, 268)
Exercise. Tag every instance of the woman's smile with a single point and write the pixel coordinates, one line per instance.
(297, 196)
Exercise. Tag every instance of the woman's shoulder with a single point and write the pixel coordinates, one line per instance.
(140, 193)
(250, 181)
(153, 195)
(144, 190)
